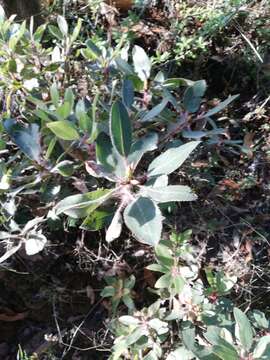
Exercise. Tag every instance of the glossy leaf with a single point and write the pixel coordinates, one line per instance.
(26, 138)
(128, 93)
(120, 129)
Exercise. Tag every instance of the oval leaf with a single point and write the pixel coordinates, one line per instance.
(140, 147)
(193, 96)
(144, 219)
(115, 228)
(243, 329)
(26, 138)
(142, 63)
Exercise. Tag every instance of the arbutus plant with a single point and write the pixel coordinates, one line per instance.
(137, 195)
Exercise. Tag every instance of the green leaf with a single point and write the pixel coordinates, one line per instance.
(104, 151)
(158, 268)
(79, 206)
(243, 329)
(128, 93)
(164, 281)
(54, 94)
(171, 159)
(140, 147)
(76, 31)
(155, 111)
(221, 347)
(262, 347)
(161, 327)
(97, 220)
(65, 168)
(93, 49)
(193, 96)
(178, 283)
(108, 157)
(85, 123)
(143, 218)
(120, 129)
(114, 230)
(260, 319)
(63, 25)
(63, 111)
(69, 98)
(158, 181)
(64, 130)
(55, 31)
(124, 66)
(164, 255)
(129, 320)
(26, 138)
(220, 106)
(168, 193)
(225, 352)
(142, 63)
(180, 353)
(176, 82)
(108, 291)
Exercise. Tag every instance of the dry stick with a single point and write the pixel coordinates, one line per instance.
(237, 27)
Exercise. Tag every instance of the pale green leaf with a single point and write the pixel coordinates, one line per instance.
(171, 159)
(79, 206)
(62, 24)
(168, 193)
(143, 218)
(64, 130)
(261, 347)
(140, 147)
(243, 329)
(142, 63)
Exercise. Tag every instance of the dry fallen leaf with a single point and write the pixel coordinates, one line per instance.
(10, 316)
(149, 277)
(123, 5)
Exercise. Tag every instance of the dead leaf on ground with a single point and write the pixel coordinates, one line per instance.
(149, 277)
(10, 316)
